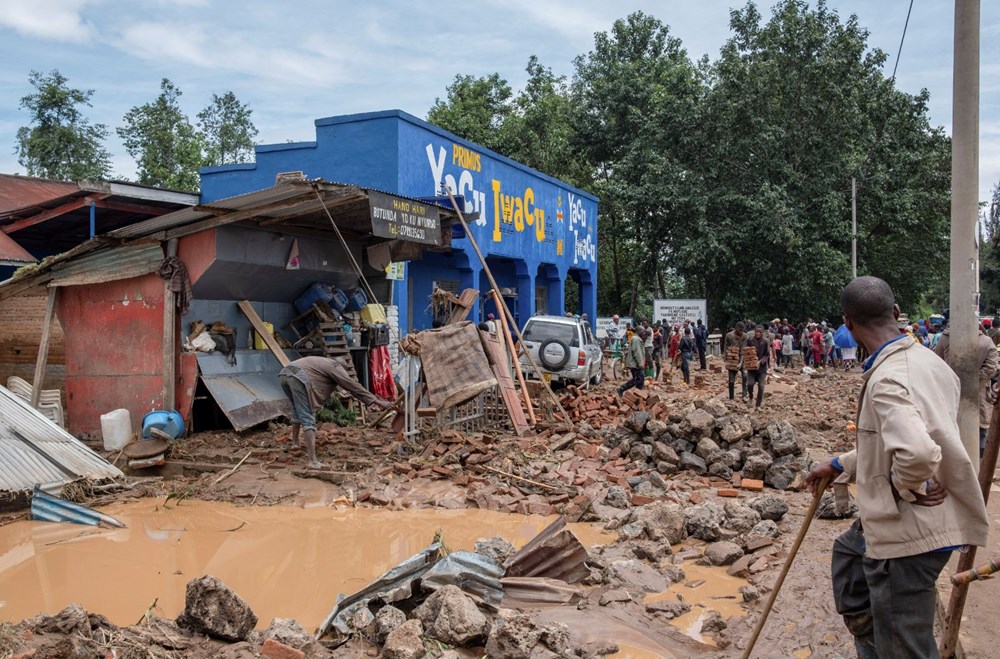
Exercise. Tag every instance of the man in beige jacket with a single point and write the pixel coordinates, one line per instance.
(917, 492)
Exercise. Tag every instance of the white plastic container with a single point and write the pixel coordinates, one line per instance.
(116, 426)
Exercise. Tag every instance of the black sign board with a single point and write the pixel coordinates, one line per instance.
(404, 219)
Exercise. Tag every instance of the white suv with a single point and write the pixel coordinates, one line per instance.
(564, 348)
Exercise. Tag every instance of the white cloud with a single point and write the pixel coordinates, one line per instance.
(568, 18)
(308, 62)
(58, 20)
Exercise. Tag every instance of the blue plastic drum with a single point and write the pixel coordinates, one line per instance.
(170, 423)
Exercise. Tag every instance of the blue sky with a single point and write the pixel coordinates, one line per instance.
(293, 62)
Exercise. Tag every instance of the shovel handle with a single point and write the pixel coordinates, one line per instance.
(820, 488)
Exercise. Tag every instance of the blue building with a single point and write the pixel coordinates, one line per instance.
(538, 234)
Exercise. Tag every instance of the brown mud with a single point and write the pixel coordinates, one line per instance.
(288, 561)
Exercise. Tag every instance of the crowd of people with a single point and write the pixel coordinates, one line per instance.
(644, 345)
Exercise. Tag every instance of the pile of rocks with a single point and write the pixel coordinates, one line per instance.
(709, 437)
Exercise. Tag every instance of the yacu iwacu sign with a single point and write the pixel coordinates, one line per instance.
(677, 311)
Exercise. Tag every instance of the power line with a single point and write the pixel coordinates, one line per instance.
(901, 40)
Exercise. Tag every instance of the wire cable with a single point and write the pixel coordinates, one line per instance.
(901, 40)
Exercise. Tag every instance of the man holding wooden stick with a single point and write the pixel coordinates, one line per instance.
(918, 495)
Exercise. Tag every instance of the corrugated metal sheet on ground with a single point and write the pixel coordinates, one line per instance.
(249, 392)
(474, 573)
(35, 450)
(554, 553)
(11, 253)
(125, 262)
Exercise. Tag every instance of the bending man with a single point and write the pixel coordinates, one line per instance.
(308, 383)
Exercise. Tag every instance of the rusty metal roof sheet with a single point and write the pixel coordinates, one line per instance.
(132, 260)
(25, 192)
(475, 574)
(248, 392)
(13, 254)
(34, 450)
(554, 553)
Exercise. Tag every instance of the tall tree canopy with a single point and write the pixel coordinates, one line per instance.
(60, 143)
(166, 147)
(731, 179)
(228, 130)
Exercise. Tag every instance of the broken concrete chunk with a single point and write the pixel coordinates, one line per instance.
(387, 620)
(615, 595)
(737, 427)
(656, 428)
(288, 632)
(617, 497)
(770, 506)
(451, 616)
(706, 448)
(71, 621)
(741, 567)
(704, 521)
(663, 521)
(692, 462)
(596, 649)
(740, 518)
(211, 608)
(637, 422)
(405, 642)
(756, 464)
(700, 422)
(497, 548)
(713, 406)
(722, 553)
(669, 609)
(634, 574)
(513, 636)
(663, 452)
(713, 622)
(751, 592)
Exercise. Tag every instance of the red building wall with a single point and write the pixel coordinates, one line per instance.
(114, 350)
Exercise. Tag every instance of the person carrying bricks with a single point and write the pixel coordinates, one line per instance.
(735, 340)
(635, 361)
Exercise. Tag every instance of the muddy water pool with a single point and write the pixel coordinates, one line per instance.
(286, 562)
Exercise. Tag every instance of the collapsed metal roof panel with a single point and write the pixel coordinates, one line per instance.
(34, 450)
(11, 253)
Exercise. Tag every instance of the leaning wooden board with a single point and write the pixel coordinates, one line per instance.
(512, 401)
(263, 332)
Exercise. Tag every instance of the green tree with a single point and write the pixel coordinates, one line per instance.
(989, 255)
(228, 130)
(164, 144)
(60, 143)
(797, 106)
(637, 96)
(476, 108)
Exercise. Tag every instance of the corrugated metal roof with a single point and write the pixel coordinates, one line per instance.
(12, 253)
(25, 192)
(554, 553)
(248, 392)
(132, 260)
(35, 450)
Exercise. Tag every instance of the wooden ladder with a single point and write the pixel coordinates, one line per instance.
(335, 346)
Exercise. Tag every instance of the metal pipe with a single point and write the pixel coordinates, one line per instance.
(963, 295)
(93, 219)
(854, 228)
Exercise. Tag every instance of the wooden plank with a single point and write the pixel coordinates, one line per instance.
(464, 305)
(261, 330)
(501, 324)
(169, 338)
(43, 347)
(507, 392)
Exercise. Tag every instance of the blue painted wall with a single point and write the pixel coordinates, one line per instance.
(535, 230)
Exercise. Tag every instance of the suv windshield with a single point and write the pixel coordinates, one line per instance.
(540, 330)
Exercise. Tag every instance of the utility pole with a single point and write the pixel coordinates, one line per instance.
(964, 319)
(854, 228)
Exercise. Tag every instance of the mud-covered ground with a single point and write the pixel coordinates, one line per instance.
(373, 468)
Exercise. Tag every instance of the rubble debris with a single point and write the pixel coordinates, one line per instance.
(497, 548)
(668, 608)
(770, 506)
(212, 609)
(451, 616)
(477, 574)
(387, 620)
(713, 622)
(839, 504)
(405, 642)
(517, 636)
(288, 632)
(272, 649)
(722, 553)
(538, 590)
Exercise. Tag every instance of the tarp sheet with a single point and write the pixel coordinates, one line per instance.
(455, 366)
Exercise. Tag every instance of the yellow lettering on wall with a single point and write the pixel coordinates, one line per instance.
(518, 215)
(507, 202)
(496, 211)
(529, 202)
(539, 225)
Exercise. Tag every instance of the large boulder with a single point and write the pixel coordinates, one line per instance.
(387, 620)
(692, 462)
(212, 609)
(787, 472)
(289, 632)
(704, 521)
(740, 518)
(782, 439)
(662, 521)
(722, 553)
(769, 506)
(513, 636)
(405, 642)
(451, 616)
(736, 428)
(700, 423)
(706, 448)
(756, 464)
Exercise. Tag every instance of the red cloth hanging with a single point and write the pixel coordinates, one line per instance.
(380, 371)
